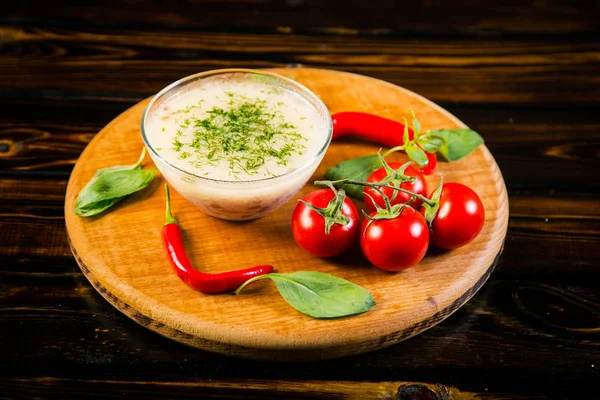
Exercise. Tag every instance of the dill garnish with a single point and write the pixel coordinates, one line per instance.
(246, 136)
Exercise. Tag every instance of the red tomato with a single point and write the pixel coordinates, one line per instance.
(395, 244)
(308, 226)
(419, 186)
(459, 219)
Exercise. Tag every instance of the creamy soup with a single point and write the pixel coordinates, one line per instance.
(230, 136)
(235, 129)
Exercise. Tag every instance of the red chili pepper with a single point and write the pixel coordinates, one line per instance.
(207, 283)
(376, 129)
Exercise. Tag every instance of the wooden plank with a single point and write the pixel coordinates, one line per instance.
(239, 388)
(472, 18)
(32, 218)
(484, 71)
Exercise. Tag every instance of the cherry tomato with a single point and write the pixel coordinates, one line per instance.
(308, 226)
(419, 186)
(395, 244)
(459, 219)
(428, 170)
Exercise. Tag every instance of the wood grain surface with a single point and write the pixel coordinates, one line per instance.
(522, 73)
(125, 261)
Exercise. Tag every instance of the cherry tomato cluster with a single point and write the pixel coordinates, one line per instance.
(401, 223)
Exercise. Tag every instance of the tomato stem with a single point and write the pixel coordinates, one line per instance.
(375, 186)
(333, 212)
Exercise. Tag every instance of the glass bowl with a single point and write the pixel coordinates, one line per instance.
(232, 199)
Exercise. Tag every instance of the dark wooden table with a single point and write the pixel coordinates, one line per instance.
(525, 74)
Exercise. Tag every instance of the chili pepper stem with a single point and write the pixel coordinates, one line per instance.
(168, 216)
(375, 186)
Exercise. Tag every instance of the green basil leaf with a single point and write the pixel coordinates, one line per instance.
(320, 295)
(430, 144)
(108, 186)
(458, 143)
(417, 154)
(357, 169)
(89, 210)
(104, 171)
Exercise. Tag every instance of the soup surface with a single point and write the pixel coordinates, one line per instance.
(236, 128)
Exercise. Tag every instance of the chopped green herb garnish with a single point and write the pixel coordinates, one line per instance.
(246, 135)
(189, 108)
(177, 145)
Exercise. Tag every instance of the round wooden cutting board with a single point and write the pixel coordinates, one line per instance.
(121, 253)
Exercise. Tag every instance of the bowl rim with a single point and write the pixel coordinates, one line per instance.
(184, 80)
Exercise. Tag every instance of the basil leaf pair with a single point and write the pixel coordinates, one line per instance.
(319, 295)
(451, 144)
(110, 185)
